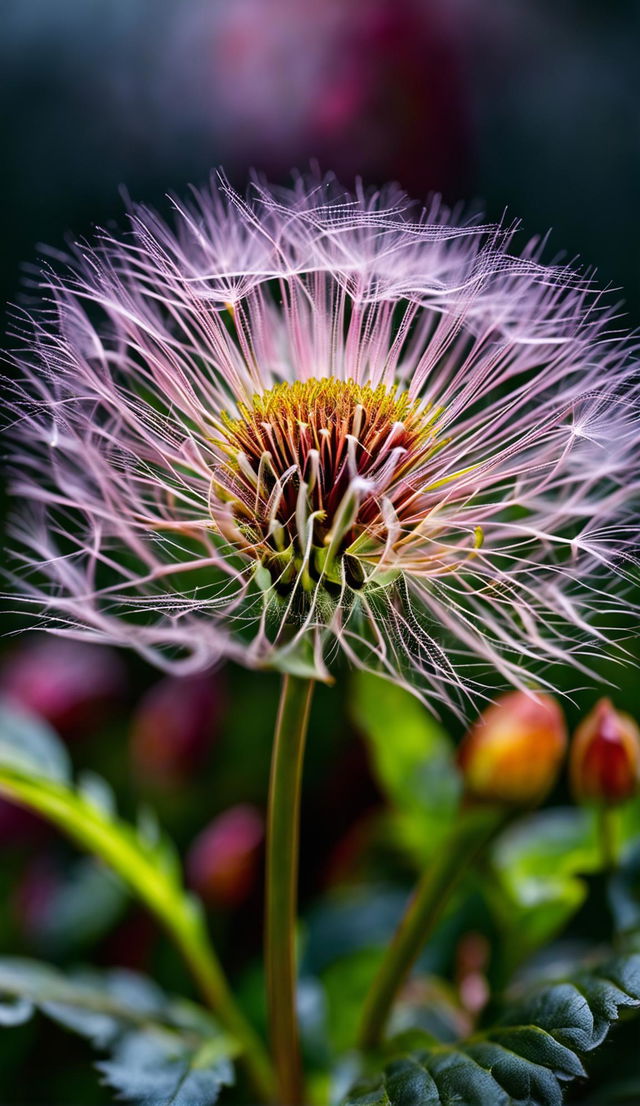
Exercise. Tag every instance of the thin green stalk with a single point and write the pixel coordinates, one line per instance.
(115, 843)
(214, 988)
(608, 834)
(283, 835)
(474, 831)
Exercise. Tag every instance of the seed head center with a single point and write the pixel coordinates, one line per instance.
(305, 465)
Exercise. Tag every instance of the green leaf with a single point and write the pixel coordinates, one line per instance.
(334, 929)
(413, 760)
(145, 861)
(539, 863)
(163, 1052)
(345, 986)
(15, 1011)
(629, 822)
(84, 904)
(152, 1069)
(29, 745)
(624, 897)
(523, 1060)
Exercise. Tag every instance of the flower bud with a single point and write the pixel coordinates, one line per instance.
(223, 861)
(605, 756)
(513, 751)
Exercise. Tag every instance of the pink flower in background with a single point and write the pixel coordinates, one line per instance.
(174, 727)
(74, 686)
(317, 422)
(223, 861)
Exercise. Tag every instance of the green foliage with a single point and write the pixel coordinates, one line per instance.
(29, 746)
(35, 772)
(144, 860)
(346, 984)
(627, 830)
(539, 863)
(523, 891)
(334, 929)
(624, 897)
(163, 1052)
(342, 956)
(523, 1060)
(412, 758)
(84, 904)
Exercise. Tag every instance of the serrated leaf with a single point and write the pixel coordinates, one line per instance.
(523, 1060)
(27, 744)
(163, 1052)
(157, 1072)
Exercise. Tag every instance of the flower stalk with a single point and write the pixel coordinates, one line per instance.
(283, 834)
(476, 829)
(607, 820)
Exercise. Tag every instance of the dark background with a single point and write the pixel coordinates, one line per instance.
(528, 107)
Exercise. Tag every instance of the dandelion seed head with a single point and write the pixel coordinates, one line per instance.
(309, 422)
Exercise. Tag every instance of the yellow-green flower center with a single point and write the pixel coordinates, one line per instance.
(311, 473)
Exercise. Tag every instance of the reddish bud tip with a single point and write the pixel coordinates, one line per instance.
(605, 756)
(512, 754)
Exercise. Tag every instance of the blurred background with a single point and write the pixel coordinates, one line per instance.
(529, 107)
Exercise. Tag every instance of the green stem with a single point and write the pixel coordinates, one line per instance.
(608, 834)
(473, 833)
(283, 833)
(213, 986)
(180, 915)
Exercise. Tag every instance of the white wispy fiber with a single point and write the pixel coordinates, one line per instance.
(311, 422)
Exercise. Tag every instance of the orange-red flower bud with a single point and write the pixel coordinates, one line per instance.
(513, 752)
(605, 756)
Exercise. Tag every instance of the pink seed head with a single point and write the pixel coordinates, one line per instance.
(312, 422)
